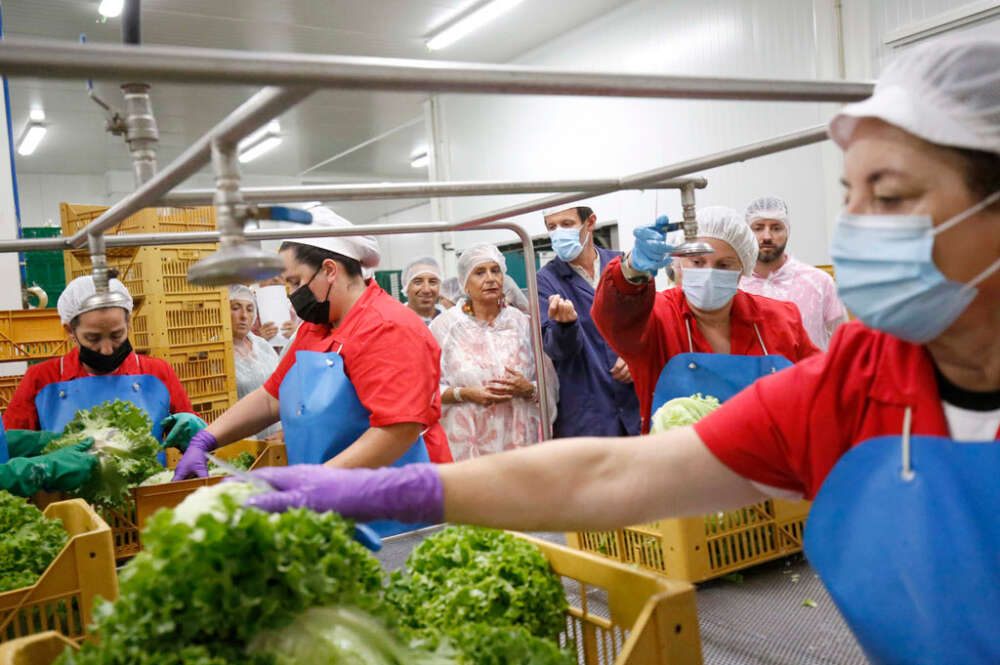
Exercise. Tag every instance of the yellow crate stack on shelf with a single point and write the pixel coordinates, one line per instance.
(31, 334)
(696, 549)
(186, 325)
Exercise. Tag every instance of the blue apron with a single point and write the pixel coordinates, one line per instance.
(58, 402)
(905, 536)
(4, 455)
(720, 375)
(321, 416)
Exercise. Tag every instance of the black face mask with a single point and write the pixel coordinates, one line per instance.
(105, 363)
(307, 307)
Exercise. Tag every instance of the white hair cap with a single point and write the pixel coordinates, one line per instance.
(71, 302)
(477, 255)
(240, 292)
(363, 249)
(727, 225)
(767, 207)
(946, 92)
(560, 208)
(451, 290)
(422, 266)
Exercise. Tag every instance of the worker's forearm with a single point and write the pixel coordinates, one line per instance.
(245, 418)
(378, 447)
(592, 483)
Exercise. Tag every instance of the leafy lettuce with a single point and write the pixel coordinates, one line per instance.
(682, 411)
(29, 542)
(124, 445)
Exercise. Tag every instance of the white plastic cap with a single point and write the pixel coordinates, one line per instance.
(477, 255)
(729, 226)
(361, 248)
(767, 207)
(422, 266)
(71, 301)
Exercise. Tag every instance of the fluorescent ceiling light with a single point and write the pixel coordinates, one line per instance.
(420, 161)
(38, 115)
(264, 145)
(271, 128)
(110, 8)
(470, 23)
(33, 134)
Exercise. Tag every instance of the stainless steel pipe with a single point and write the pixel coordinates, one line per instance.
(250, 115)
(60, 59)
(397, 190)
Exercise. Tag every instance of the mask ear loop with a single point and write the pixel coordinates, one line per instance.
(962, 216)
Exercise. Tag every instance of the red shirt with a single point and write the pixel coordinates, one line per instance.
(390, 357)
(22, 414)
(789, 430)
(646, 328)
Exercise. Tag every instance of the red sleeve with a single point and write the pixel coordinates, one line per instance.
(161, 369)
(273, 384)
(788, 430)
(623, 312)
(21, 412)
(397, 373)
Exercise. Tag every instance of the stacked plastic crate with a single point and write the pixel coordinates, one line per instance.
(186, 325)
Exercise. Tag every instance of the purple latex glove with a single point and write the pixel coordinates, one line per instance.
(193, 462)
(411, 493)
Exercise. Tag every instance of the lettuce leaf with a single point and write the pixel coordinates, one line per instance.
(682, 411)
(29, 542)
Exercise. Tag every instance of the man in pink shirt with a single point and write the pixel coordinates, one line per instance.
(781, 276)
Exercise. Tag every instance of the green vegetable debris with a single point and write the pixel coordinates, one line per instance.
(683, 411)
(124, 444)
(29, 542)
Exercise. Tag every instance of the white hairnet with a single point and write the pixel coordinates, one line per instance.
(560, 208)
(244, 294)
(767, 207)
(71, 301)
(514, 296)
(477, 255)
(728, 225)
(451, 290)
(422, 266)
(946, 92)
(363, 249)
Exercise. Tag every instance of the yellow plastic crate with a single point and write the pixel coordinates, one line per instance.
(205, 371)
(210, 408)
(148, 220)
(700, 548)
(8, 384)
(63, 598)
(653, 621)
(31, 334)
(184, 321)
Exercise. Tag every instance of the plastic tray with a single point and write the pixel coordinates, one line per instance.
(210, 408)
(186, 321)
(148, 220)
(8, 384)
(63, 598)
(205, 372)
(700, 548)
(31, 334)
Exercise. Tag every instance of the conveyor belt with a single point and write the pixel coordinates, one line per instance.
(760, 620)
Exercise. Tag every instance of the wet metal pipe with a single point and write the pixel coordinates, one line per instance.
(252, 114)
(60, 59)
(397, 190)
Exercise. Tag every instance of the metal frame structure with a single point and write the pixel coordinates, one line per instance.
(301, 74)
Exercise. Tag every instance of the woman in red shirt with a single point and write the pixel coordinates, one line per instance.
(893, 431)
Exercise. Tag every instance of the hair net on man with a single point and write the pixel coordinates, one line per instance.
(244, 294)
(451, 289)
(728, 225)
(71, 302)
(363, 249)
(475, 256)
(422, 266)
(768, 207)
(946, 92)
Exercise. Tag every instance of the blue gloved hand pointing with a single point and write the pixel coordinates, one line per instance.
(651, 251)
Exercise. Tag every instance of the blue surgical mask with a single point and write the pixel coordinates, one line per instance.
(709, 289)
(566, 243)
(887, 278)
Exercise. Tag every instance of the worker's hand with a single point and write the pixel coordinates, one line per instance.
(620, 372)
(179, 429)
(412, 493)
(513, 384)
(64, 469)
(561, 310)
(268, 330)
(651, 251)
(483, 395)
(193, 462)
(28, 443)
(287, 328)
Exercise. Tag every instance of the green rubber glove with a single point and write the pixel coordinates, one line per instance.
(27, 442)
(180, 427)
(64, 469)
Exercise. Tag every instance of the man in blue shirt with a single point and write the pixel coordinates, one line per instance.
(596, 396)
